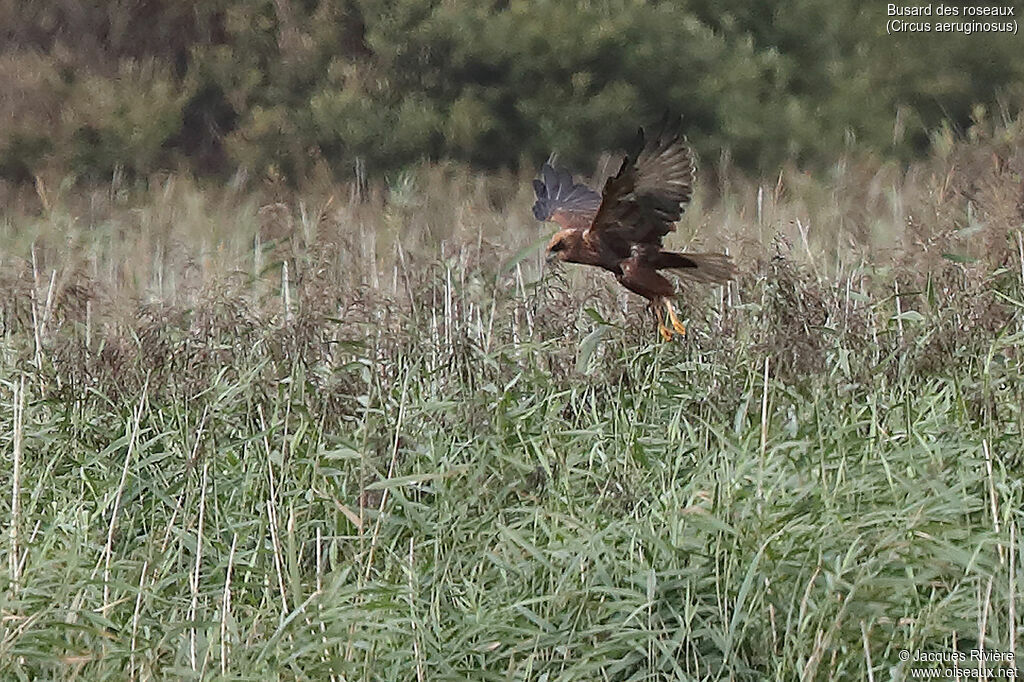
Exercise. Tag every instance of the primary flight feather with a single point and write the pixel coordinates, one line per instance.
(621, 229)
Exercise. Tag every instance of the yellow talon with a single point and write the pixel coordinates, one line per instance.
(665, 332)
(676, 324)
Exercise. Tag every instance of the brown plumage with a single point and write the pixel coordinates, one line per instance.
(621, 230)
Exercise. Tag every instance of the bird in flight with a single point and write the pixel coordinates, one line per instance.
(621, 229)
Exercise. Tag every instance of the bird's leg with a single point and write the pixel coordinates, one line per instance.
(676, 324)
(665, 332)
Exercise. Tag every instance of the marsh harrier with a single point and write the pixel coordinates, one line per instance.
(621, 229)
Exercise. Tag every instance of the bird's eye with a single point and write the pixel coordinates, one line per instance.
(557, 246)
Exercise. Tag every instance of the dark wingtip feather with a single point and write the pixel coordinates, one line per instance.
(541, 211)
(540, 189)
(540, 207)
(638, 142)
(550, 176)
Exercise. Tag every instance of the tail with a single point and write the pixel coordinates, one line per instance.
(713, 268)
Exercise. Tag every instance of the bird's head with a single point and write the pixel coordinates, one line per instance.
(562, 245)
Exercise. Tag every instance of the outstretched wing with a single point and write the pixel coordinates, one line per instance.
(571, 205)
(643, 201)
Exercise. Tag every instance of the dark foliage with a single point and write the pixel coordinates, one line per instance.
(289, 88)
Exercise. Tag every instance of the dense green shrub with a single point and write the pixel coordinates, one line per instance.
(281, 86)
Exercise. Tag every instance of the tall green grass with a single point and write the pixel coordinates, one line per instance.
(283, 437)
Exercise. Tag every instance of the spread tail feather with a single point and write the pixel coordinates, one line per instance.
(715, 268)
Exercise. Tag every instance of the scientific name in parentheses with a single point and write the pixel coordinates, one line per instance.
(943, 11)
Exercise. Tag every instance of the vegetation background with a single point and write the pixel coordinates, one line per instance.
(290, 86)
(287, 393)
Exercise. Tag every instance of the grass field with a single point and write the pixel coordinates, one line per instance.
(300, 436)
